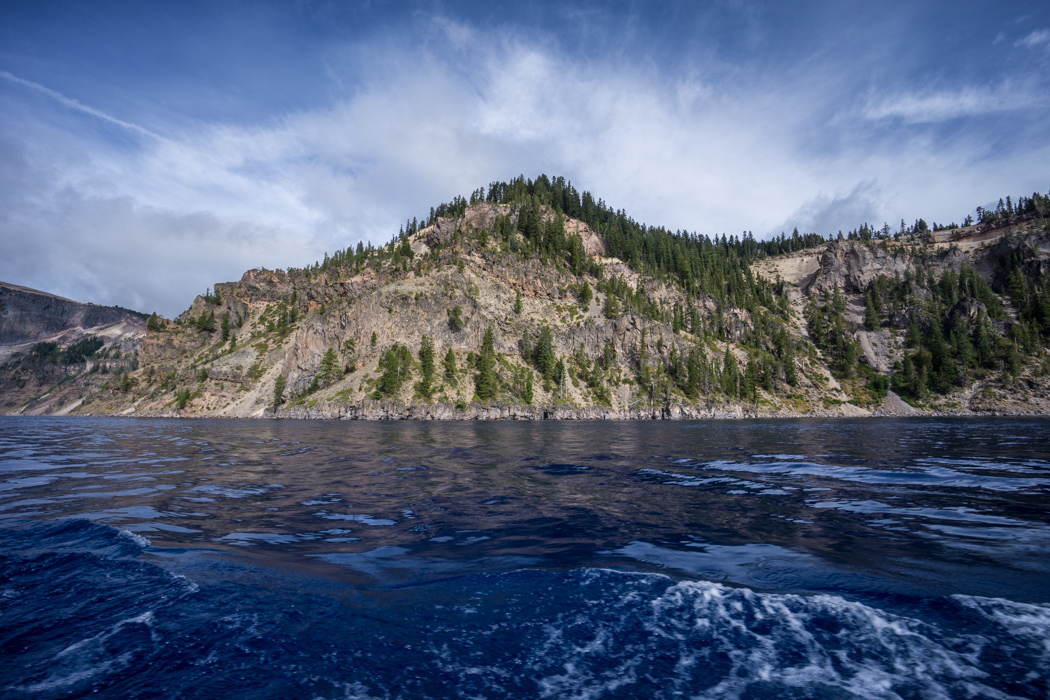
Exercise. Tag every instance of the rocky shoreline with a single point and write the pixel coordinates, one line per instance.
(445, 411)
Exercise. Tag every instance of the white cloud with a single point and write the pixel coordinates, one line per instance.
(825, 213)
(153, 225)
(74, 104)
(929, 107)
(1039, 37)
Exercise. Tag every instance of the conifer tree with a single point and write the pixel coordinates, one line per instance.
(730, 374)
(545, 354)
(527, 395)
(455, 318)
(396, 365)
(608, 355)
(328, 371)
(425, 386)
(450, 366)
(278, 390)
(485, 382)
(350, 353)
(871, 317)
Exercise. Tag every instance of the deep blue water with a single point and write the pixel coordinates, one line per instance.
(750, 559)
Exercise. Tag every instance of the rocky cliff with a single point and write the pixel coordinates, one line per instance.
(347, 340)
(55, 351)
(533, 305)
(28, 315)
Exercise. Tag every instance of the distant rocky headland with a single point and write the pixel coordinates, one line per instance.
(532, 300)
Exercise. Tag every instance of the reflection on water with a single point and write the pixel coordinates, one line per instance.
(764, 559)
(864, 499)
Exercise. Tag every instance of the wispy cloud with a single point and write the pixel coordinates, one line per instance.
(929, 107)
(1038, 38)
(78, 106)
(153, 225)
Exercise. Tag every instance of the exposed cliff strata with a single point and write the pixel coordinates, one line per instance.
(56, 382)
(345, 340)
(28, 315)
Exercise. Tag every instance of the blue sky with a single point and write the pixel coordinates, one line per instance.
(148, 149)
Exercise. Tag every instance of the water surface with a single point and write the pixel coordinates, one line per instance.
(738, 559)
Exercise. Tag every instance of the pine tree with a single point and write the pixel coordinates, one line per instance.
(455, 319)
(586, 295)
(450, 366)
(545, 354)
(1018, 291)
(396, 366)
(751, 380)
(485, 382)
(278, 390)
(425, 386)
(328, 371)
(730, 374)
(871, 317)
(608, 355)
(527, 395)
(182, 397)
(790, 372)
(350, 353)
(517, 303)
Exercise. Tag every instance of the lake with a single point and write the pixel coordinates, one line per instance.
(817, 558)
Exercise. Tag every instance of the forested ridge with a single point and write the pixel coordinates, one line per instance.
(543, 299)
(946, 348)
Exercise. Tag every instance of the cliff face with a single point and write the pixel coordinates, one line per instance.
(28, 315)
(38, 371)
(344, 341)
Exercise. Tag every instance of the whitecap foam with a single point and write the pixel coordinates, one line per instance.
(134, 537)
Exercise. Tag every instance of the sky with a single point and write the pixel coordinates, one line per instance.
(151, 149)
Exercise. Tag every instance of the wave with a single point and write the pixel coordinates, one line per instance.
(88, 610)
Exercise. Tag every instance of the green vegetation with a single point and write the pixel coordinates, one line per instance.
(455, 319)
(425, 386)
(328, 372)
(543, 355)
(450, 366)
(826, 322)
(49, 352)
(396, 365)
(278, 390)
(713, 329)
(205, 322)
(182, 397)
(485, 383)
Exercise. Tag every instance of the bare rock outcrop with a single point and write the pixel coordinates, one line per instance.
(29, 315)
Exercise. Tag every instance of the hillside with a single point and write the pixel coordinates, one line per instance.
(54, 351)
(534, 301)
